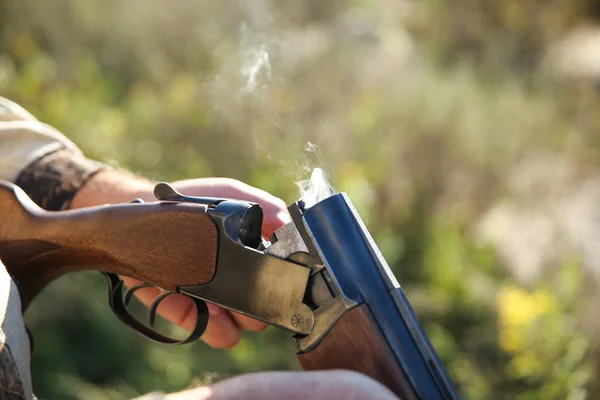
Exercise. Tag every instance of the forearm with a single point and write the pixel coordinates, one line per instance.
(111, 186)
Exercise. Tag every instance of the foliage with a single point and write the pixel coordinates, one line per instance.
(419, 112)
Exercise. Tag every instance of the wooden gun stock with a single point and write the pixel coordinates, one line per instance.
(38, 246)
(355, 343)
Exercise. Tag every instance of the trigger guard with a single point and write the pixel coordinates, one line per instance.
(115, 300)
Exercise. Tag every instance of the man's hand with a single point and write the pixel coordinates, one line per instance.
(224, 328)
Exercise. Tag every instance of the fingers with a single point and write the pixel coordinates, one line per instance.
(249, 324)
(274, 209)
(274, 220)
(222, 332)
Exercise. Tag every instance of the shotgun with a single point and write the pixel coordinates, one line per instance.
(320, 277)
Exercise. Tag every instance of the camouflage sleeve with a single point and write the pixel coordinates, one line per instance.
(40, 159)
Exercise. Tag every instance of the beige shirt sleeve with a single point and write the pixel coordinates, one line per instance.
(24, 139)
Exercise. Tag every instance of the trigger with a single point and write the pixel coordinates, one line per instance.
(154, 306)
(115, 286)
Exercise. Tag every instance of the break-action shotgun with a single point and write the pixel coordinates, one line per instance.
(320, 277)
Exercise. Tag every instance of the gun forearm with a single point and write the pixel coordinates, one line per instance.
(355, 343)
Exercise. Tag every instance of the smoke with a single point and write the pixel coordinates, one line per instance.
(315, 189)
(245, 92)
(257, 70)
(257, 42)
(238, 89)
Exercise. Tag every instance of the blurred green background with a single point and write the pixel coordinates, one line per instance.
(465, 132)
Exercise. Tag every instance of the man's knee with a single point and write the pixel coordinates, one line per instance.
(345, 384)
(326, 385)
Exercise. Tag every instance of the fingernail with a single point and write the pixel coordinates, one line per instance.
(214, 310)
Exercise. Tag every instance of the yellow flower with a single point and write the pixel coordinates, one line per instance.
(517, 309)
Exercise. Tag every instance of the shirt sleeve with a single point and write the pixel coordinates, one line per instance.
(40, 159)
(24, 139)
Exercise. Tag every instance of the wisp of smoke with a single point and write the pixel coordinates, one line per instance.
(255, 49)
(256, 68)
(315, 189)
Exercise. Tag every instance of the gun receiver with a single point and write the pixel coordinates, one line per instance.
(320, 277)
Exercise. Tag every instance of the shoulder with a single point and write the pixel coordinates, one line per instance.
(11, 111)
